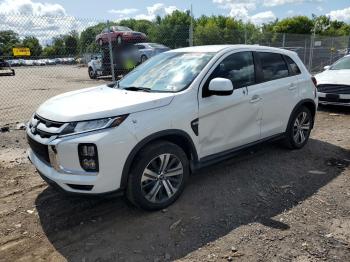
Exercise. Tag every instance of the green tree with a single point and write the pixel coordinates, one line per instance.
(33, 44)
(71, 43)
(208, 34)
(172, 30)
(325, 26)
(294, 25)
(8, 40)
(49, 51)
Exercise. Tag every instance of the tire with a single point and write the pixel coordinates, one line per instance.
(143, 58)
(92, 74)
(299, 128)
(153, 186)
(13, 72)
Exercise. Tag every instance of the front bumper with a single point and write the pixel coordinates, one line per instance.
(333, 99)
(64, 168)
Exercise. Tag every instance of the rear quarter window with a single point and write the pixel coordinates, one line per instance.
(294, 69)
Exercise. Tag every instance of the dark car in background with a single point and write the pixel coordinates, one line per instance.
(5, 68)
(120, 35)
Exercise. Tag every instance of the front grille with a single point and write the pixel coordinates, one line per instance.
(333, 89)
(45, 128)
(40, 150)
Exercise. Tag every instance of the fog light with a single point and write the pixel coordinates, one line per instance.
(88, 157)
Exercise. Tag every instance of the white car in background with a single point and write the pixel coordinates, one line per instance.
(39, 62)
(147, 50)
(333, 84)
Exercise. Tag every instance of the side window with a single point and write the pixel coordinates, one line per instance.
(293, 66)
(273, 66)
(239, 68)
(140, 47)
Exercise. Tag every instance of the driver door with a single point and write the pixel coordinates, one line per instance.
(227, 122)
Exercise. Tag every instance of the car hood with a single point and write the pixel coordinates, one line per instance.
(100, 102)
(337, 77)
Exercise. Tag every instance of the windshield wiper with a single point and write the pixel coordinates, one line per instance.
(137, 88)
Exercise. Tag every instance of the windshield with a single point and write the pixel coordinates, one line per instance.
(343, 63)
(156, 45)
(167, 72)
(122, 28)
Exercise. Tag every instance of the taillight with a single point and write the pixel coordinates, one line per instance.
(314, 81)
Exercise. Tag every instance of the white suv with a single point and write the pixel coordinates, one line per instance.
(177, 112)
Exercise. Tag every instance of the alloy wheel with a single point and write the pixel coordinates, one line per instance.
(301, 127)
(162, 178)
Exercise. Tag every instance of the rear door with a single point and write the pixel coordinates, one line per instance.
(226, 122)
(279, 92)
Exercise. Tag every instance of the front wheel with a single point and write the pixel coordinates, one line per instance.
(92, 73)
(158, 177)
(299, 128)
(143, 59)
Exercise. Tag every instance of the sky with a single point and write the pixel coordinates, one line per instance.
(43, 18)
(257, 11)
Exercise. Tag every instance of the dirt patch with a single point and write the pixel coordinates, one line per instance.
(268, 205)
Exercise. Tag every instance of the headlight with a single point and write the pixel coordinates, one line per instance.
(92, 125)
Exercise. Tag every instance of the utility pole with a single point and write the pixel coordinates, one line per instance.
(110, 51)
(190, 39)
(312, 43)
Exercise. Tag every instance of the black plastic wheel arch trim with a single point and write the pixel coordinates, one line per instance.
(153, 137)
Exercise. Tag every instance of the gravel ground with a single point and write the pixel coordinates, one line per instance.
(270, 204)
(21, 94)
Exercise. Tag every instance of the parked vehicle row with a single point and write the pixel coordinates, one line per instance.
(182, 110)
(41, 62)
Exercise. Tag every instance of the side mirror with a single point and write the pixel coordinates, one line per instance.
(327, 67)
(220, 87)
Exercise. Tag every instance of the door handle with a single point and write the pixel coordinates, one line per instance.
(255, 99)
(292, 86)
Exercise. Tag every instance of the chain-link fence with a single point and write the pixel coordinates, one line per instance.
(67, 54)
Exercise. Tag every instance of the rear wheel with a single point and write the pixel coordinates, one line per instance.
(158, 177)
(299, 128)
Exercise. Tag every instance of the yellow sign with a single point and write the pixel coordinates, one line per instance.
(21, 51)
